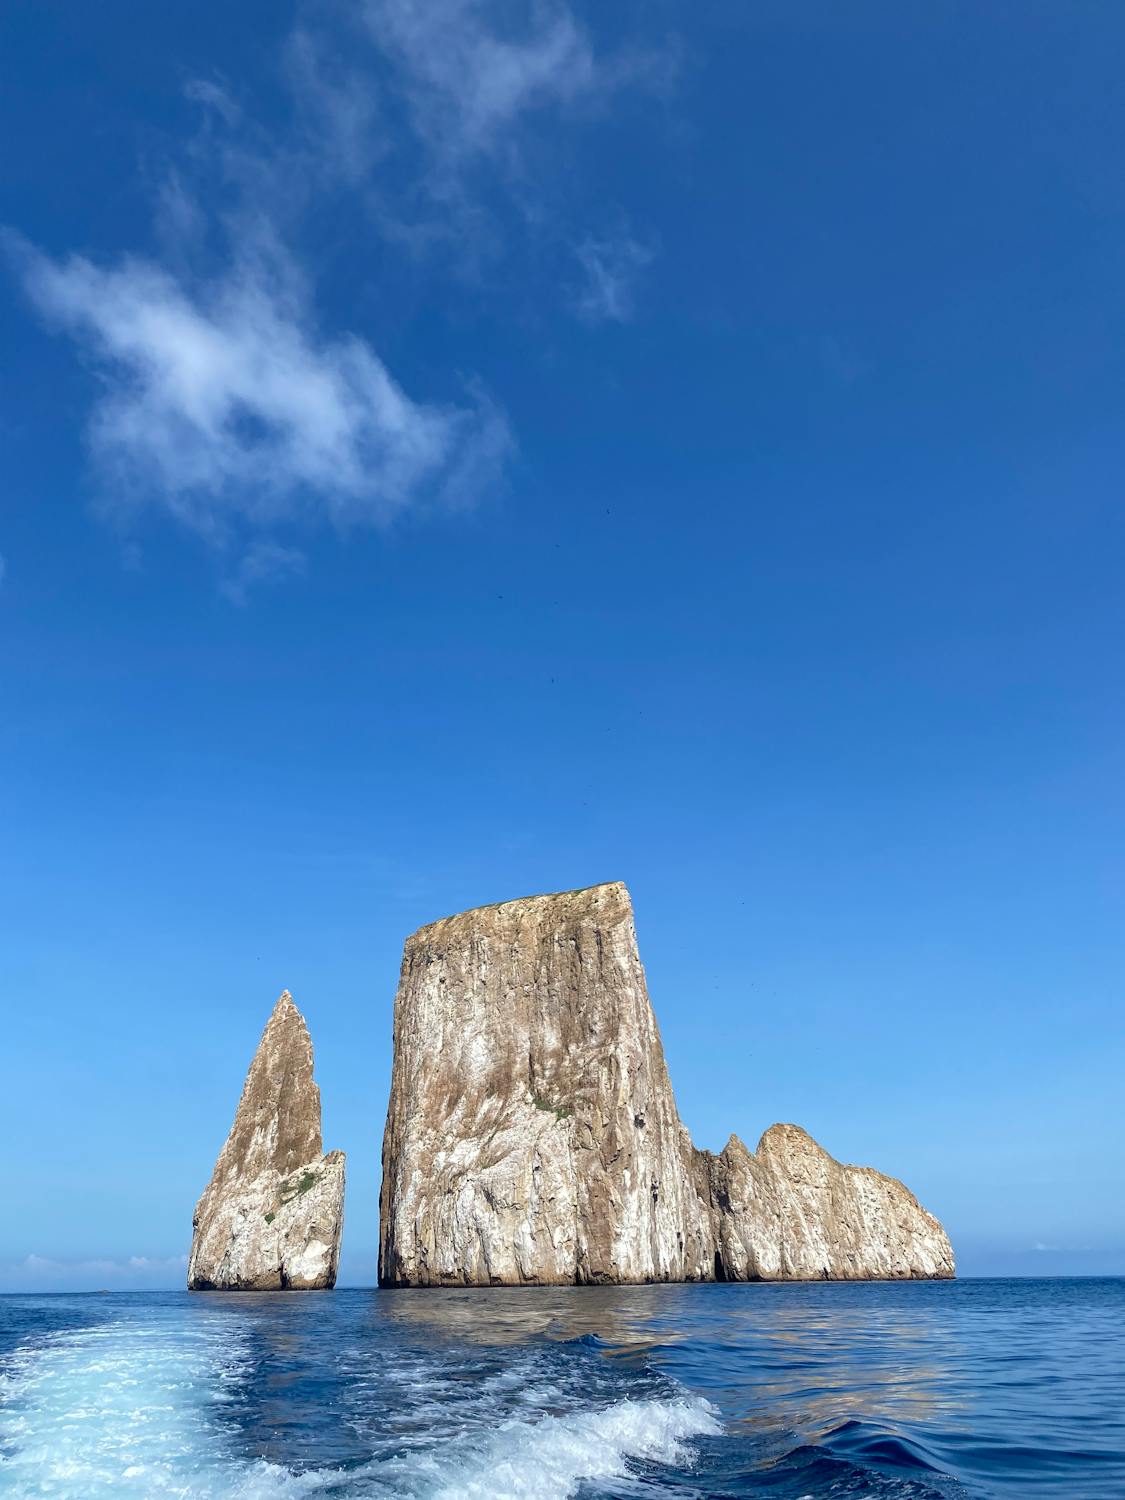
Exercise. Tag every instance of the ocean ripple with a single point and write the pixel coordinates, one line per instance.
(927, 1392)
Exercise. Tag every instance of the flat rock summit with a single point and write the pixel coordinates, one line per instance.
(270, 1218)
(532, 1135)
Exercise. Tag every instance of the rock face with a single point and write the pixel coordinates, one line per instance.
(532, 1135)
(270, 1218)
(791, 1212)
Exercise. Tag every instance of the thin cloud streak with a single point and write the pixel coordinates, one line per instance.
(337, 107)
(611, 268)
(465, 83)
(36, 1272)
(264, 561)
(481, 86)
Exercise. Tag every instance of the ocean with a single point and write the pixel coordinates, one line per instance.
(1005, 1388)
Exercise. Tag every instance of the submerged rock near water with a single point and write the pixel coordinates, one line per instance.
(532, 1135)
(270, 1218)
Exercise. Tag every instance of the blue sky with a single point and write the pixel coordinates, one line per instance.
(457, 451)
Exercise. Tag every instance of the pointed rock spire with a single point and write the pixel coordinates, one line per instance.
(271, 1216)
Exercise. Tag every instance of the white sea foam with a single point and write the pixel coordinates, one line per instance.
(548, 1459)
(130, 1411)
(124, 1410)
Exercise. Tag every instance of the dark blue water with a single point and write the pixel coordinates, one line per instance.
(971, 1388)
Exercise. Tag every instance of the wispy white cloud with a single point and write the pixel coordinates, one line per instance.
(223, 399)
(471, 84)
(610, 268)
(264, 561)
(467, 79)
(224, 404)
(212, 94)
(444, 95)
(337, 104)
(41, 1271)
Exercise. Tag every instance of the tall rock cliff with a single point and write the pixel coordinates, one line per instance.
(270, 1218)
(532, 1135)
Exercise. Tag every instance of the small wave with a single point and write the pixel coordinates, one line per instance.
(862, 1461)
(881, 1447)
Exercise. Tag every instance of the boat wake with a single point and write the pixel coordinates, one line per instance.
(129, 1410)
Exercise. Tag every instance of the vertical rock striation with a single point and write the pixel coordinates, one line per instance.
(270, 1218)
(532, 1135)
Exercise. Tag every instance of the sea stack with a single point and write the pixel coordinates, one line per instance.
(532, 1136)
(271, 1216)
(791, 1212)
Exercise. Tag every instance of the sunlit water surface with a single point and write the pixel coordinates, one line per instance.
(972, 1388)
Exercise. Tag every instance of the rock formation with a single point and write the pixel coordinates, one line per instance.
(532, 1135)
(791, 1212)
(270, 1218)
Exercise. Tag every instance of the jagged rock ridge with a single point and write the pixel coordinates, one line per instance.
(532, 1135)
(791, 1212)
(271, 1216)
